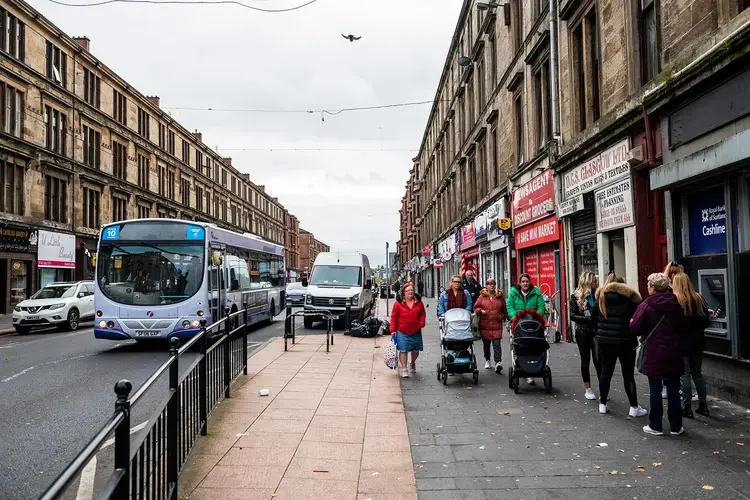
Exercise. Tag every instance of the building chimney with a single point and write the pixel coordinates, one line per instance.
(198, 136)
(227, 161)
(262, 188)
(83, 41)
(154, 99)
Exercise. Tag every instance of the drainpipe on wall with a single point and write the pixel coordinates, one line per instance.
(650, 152)
(553, 68)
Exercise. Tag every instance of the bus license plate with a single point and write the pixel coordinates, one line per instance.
(148, 333)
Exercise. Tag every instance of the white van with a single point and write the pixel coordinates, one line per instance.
(335, 277)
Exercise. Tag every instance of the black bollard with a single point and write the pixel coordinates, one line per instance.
(348, 317)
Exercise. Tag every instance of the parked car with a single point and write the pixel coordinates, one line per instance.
(296, 293)
(63, 305)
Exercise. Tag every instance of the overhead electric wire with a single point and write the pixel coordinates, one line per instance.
(187, 2)
(332, 112)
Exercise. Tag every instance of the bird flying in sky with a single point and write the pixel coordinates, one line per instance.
(351, 38)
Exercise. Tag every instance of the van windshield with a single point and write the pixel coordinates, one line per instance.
(336, 276)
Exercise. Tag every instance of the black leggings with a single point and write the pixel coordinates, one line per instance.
(587, 348)
(609, 354)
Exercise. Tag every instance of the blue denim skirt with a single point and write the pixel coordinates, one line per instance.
(409, 343)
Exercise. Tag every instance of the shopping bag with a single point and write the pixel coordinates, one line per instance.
(390, 356)
(475, 326)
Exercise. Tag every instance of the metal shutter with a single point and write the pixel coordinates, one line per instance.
(584, 227)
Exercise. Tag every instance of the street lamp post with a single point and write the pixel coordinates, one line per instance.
(387, 281)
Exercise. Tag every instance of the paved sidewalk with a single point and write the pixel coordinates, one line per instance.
(485, 442)
(332, 428)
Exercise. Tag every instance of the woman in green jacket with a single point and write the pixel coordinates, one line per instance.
(525, 296)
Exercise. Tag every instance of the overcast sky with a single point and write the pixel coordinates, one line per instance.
(225, 56)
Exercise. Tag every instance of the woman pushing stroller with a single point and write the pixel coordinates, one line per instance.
(525, 296)
(456, 297)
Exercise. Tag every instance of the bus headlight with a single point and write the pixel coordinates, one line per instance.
(111, 324)
(200, 314)
(186, 324)
(102, 324)
(196, 323)
(98, 314)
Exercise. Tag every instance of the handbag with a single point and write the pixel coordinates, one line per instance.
(390, 356)
(642, 346)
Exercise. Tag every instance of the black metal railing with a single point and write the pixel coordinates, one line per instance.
(148, 468)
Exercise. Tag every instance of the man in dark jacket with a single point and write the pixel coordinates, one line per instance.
(472, 286)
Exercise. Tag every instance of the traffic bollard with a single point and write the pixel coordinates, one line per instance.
(348, 317)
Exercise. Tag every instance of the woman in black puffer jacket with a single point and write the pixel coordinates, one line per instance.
(614, 340)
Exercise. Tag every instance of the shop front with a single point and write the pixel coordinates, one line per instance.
(18, 247)
(426, 276)
(597, 210)
(56, 257)
(447, 251)
(706, 174)
(496, 257)
(537, 235)
(85, 258)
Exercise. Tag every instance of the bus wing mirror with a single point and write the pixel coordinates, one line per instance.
(216, 257)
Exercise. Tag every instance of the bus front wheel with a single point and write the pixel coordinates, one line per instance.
(273, 312)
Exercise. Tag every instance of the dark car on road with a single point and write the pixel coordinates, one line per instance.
(296, 293)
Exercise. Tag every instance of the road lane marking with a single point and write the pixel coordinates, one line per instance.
(19, 374)
(47, 339)
(86, 484)
(110, 442)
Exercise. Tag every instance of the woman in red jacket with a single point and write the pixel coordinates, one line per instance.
(407, 320)
(491, 310)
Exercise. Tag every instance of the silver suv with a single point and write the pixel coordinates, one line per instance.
(63, 305)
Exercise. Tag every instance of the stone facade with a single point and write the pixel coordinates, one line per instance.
(291, 231)
(309, 248)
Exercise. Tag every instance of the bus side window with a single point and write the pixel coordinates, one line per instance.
(244, 275)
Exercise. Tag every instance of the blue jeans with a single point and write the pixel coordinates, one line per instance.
(674, 406)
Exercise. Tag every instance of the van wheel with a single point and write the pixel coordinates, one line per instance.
(308, 323)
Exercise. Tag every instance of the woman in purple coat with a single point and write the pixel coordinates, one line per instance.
(658, 321)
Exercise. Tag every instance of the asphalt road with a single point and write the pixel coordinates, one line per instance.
(56, 391)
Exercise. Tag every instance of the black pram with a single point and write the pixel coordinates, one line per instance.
(529, 350)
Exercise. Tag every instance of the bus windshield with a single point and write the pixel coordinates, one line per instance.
(336, 276)
(150, 274)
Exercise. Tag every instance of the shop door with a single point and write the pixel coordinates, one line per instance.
(617, 253)
(584, 243)
(3, 279)
(542, 264)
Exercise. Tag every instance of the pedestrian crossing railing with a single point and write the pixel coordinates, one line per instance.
(147, 465)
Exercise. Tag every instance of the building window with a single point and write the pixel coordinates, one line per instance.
(119, 107)
(208, 202)
(198, 160)
(516, 12)
(119, 160)
(494, 174)
(119, 208)
(738, 6)
(493, 62)
(11, 188)
(143, 171)
(92, 143)
(162, 180)
(92, 86)
(143, 124)
(185, 191)
(57, 65)
(144, 211)
(185, 152)
(542, 104)
(171, 179)
(518, 127)
(55, 199)
(199, 198)
(55, 127)
(470, 104)
(481, 92)
(585, 45)
(234, 215)
(234, 185)
(162, 135)
(90, 208)
(217, 213)
(224, 178)
(12, 107)
(208, 168)
(170, 142)
(12, 35)
(649, 41)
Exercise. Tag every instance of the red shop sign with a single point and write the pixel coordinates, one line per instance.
(534, 200)
(467, 233)
(544, 231)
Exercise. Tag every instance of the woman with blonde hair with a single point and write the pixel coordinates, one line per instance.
(585, 314)
(615, 341)
(692, 342)
(658, 321)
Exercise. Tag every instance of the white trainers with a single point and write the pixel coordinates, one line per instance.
(498, 367)
(681, 431)
(637, 411)
(412, 368)
(530, 381)
(404, 373)
(487, 365)
(648, 430)
(603, 409)
(664, 393)
(590, 394)
(695, 397)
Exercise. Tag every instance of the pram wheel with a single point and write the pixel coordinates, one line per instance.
(438, 369)
(510, 377)
(548, 383)
(444, 376)
(516, 385)
(476, 377)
